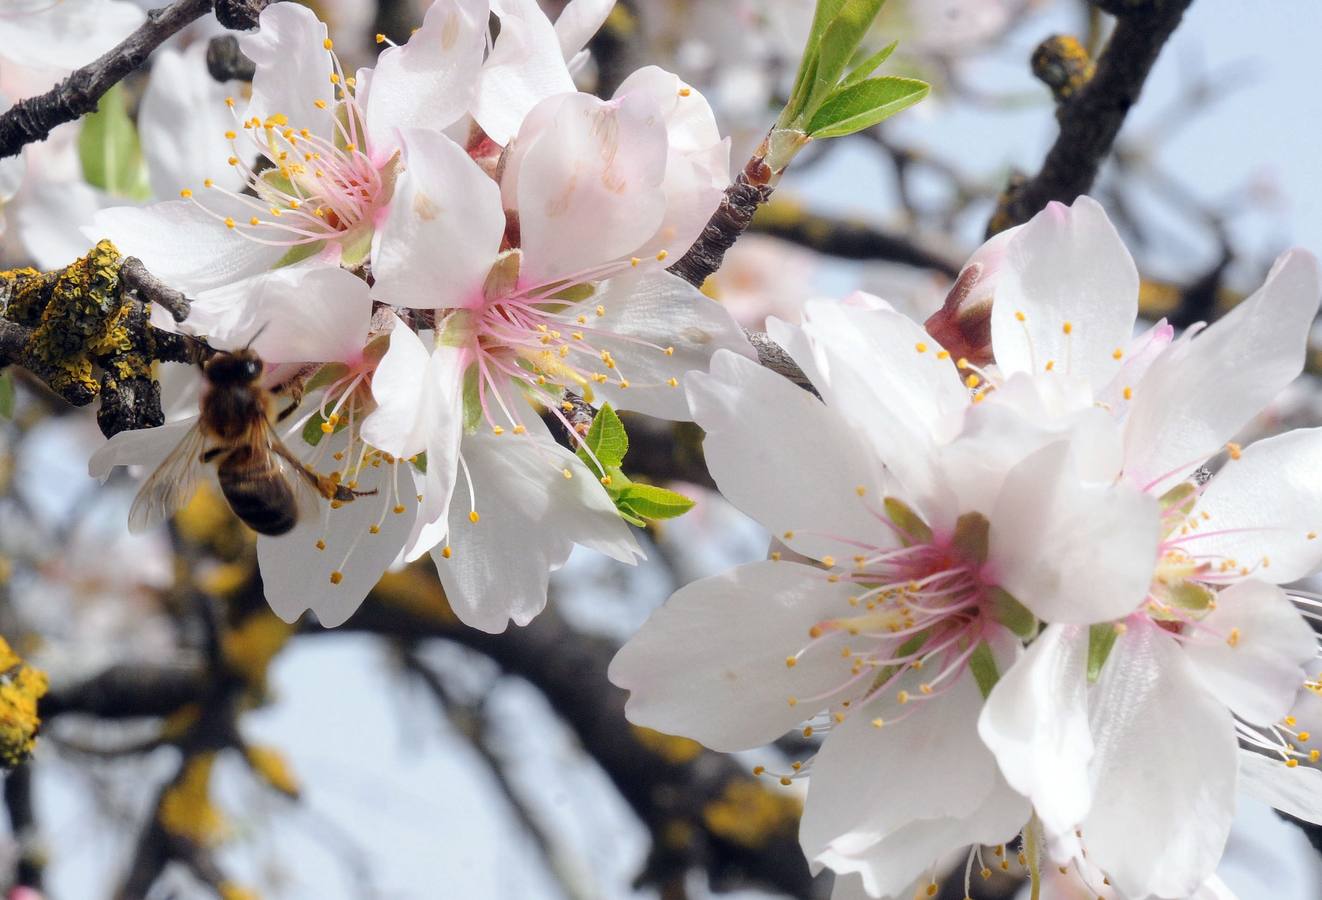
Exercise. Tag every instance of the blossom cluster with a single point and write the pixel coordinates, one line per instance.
(427, 255)
(1011, 597)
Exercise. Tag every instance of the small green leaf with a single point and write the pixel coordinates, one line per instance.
(983, 665)
(652, 502)
(864, 104)
(6, 395)
(1101, 638)
(607, 440)
(1012, 614)
(838, 44)
(869, 65)
(313, 431)
(298, 253)
(109, 151)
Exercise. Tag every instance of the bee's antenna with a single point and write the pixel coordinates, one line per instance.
(256, 334)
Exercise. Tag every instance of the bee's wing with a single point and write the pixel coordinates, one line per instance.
(171, 485)
(303, 480)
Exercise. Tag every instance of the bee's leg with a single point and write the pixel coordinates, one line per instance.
(208, 455)
(286, 412)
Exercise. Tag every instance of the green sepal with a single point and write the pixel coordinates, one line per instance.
(419, 462)
(575, 293)
(606, 439)
(109, 150)
(1190, 595)
(313, 433)
(972, 537)
(298, 253)
(358, 248)
(914, 529)
(864, 104)
(1101, 638)
(908, 648)
(983, 666)
(472, 401)
(7, 395)
(1012, 614)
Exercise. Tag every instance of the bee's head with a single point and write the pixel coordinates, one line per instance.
(239, 367)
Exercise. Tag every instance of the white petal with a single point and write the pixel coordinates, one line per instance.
(904, 399)
(445, 203)
(297, 576)
(441, 422)
(658, 310)
(578, 22)
(430, 81)
(1036, 723)
(1267, 505)
(530, 516)
(590, 188)
(184, 245)
(784, 458)
(305, 313)
(182, 121)
(293, 68)
(1167, 748)
(710, 663)
(525, 67)
(1072, 552)
(48, 216)
(65, 35)
(138, 447)
(399, 423)
(1198, 394)
(927, 763)
(1067, 266)
(1259, 676)
(1296, 792)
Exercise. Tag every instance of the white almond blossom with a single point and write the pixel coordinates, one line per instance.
(1125, 735)
(909, 498)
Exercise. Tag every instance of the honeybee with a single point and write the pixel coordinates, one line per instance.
(262, 480)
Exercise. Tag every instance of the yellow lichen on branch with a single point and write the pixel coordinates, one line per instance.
(674, 750)
(271, 765)
(20, 688)
(750, 814)
(186, 810)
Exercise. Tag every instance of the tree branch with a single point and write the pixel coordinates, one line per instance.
(1090, 110)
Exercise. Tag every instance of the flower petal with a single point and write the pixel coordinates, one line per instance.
(1072, 552)
(710, 663)
(1067, 293)
(578, 22)
(1266, 506)
(1250, 651)
(65, 35)
(525, 67)
(441, 416)
(530, 517)
(305, 313)
(1294, 791)
(1036, 723)
(590, 187)
(184, 245)
(652, 313)
(1199, 393)
(431, 81)
(294, 68)
(444, 202)
(138, 447)
(296, 575)
(783, 457)
(1167, 747)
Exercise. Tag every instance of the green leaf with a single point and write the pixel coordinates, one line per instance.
(607, 440)
(109, 151)
(983, 666)
(313, 432)
(864, 104)
(6, 395)
(652, 502)
(838, 44)
(869, 65)
(1101, 638)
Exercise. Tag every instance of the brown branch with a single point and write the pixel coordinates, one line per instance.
(1090, 111)
(730, 220)
(135, 279)
(33, 119)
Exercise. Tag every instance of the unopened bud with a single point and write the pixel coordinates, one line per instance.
(963, 323)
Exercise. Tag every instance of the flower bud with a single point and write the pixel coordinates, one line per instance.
(963, 323)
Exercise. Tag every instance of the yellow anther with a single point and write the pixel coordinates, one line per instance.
(624, 383)
(961, 363)
(334, 78)
(336, 577)
(208, 183)
(785, 780)
(931, 889)
(1290, 721)
(568, 474)
(985, 872)
(1117, 353)
(759, 770)
(230, 135)
(398, 509)
(497, 430)
(1304, 736)
(321, 545)
(925, 688)
(775, 556)
(792, 701)
(374, 529)
(229, 223)
(1020, 316)
(662, 255)
(1234, 450)
(828, 561)
(943, 354)
(672, 381)
(902, 697)
(336, 504)
(1291, 763)
(254, 221)
(319, 104)
(791, 662)
(789, 535)
(1051, 364)
(815, 632)
(185, 193)
(351, 81)
(1312, 535)
(839, 716)
(972, 381)
(447, 552)
(1233, 639)
(1129, 393)
(634, 261)
(350, 148)
(473, 517)
(920, 347)
(807, 731)
(1067, 327)
(685, 91)
(229, 101)
(233, 160)
(606, 480)
(600, 310)
(519, 429)
(669, 351)
(380, 38)
(328, 43)
(877, 723)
